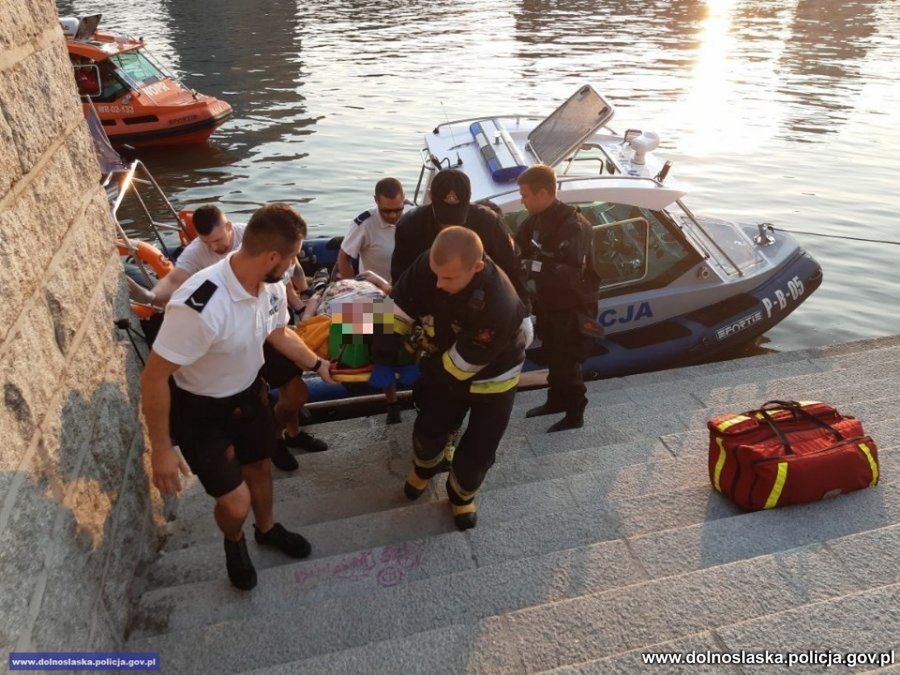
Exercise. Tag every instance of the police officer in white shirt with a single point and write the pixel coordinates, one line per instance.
(371, 234)
(201, 387)
(216, 238)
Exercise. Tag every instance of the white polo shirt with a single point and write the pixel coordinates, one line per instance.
(372, 241)
(197, 256)
(214, 329)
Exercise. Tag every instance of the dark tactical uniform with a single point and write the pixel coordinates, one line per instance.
(418, 228)
(555, 246)
(480, 347)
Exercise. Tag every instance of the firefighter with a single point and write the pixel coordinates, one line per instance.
(555, 243)
(474, 319)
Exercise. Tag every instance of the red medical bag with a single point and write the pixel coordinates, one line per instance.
(789, 452)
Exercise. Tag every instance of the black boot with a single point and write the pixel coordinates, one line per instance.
(305, 441)
(545, 409)
(393, 413)
(464, 516)
(414, 486)
(287, 542)
(282, 458)
(570, 421)
(240, 568)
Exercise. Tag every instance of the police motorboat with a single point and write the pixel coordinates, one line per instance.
(677, 288)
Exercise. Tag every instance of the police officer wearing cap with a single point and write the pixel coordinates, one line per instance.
(555, 243)
(476, 319)
(201, 387)
(450, 193)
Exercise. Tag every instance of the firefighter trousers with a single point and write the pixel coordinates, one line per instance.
(564, 347)
(441, 411)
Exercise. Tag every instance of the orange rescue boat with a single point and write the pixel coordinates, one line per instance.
(138, 102)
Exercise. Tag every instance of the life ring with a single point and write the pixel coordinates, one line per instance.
(149, 255)
(351, 374)
(188, 233)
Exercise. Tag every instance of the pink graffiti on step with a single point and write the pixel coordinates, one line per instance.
(388, 565)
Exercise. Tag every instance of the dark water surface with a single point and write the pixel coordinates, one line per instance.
(770, 110)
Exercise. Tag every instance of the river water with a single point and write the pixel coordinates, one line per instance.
(771, 110)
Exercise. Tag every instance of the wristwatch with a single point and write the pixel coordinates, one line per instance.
(316, 366)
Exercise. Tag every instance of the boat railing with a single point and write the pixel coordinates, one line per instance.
(516, 116)
(131, 180)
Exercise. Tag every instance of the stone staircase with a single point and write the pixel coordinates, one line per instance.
(593, 546)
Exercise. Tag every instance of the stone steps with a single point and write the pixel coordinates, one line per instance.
(543, 612)
(666, 530)
(592, 545)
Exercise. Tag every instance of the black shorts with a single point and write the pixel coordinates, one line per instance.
(278, 369)
(204, 428)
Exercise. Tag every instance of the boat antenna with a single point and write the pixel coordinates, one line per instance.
(452, 138)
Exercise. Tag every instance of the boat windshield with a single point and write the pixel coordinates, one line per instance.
(626, 253)
(136, 69)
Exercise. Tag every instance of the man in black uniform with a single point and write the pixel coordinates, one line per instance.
(469, 306)
(450, 193)
(555, 243)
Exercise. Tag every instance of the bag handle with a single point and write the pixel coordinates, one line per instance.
(797, 412)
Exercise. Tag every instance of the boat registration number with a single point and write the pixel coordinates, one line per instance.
(779, 300)
(115, 109)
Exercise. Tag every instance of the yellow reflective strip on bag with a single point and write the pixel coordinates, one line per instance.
(451, 368)
(775, 494)
(872, 463)
(492, 387)
(727, 424)
(720, 463)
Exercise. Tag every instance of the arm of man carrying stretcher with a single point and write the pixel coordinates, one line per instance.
(286, 341)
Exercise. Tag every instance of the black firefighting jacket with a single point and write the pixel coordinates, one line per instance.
(478, 332)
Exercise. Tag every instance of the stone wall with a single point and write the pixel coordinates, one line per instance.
(77, 514)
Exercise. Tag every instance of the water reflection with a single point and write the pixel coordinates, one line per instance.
(821, 64)
(761, 103)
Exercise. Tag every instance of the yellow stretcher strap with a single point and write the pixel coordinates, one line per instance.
(720, 463)
(872, 463)
(775, 494)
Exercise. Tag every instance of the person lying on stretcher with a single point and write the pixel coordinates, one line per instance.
(339, 321)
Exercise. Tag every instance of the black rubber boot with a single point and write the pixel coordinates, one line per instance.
(287, 542)
(545, 409)
(570, 421)
(414, 486)
(305, 441)
(393, 414)
(464, 517)
(240, 568)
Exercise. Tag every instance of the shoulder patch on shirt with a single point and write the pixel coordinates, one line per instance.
(198, 300)
(361, 217)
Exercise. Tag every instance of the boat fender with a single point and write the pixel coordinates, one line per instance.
(498, 150)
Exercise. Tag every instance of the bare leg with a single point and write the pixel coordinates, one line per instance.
(231, 511)
(259, 481)
(291, 398)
